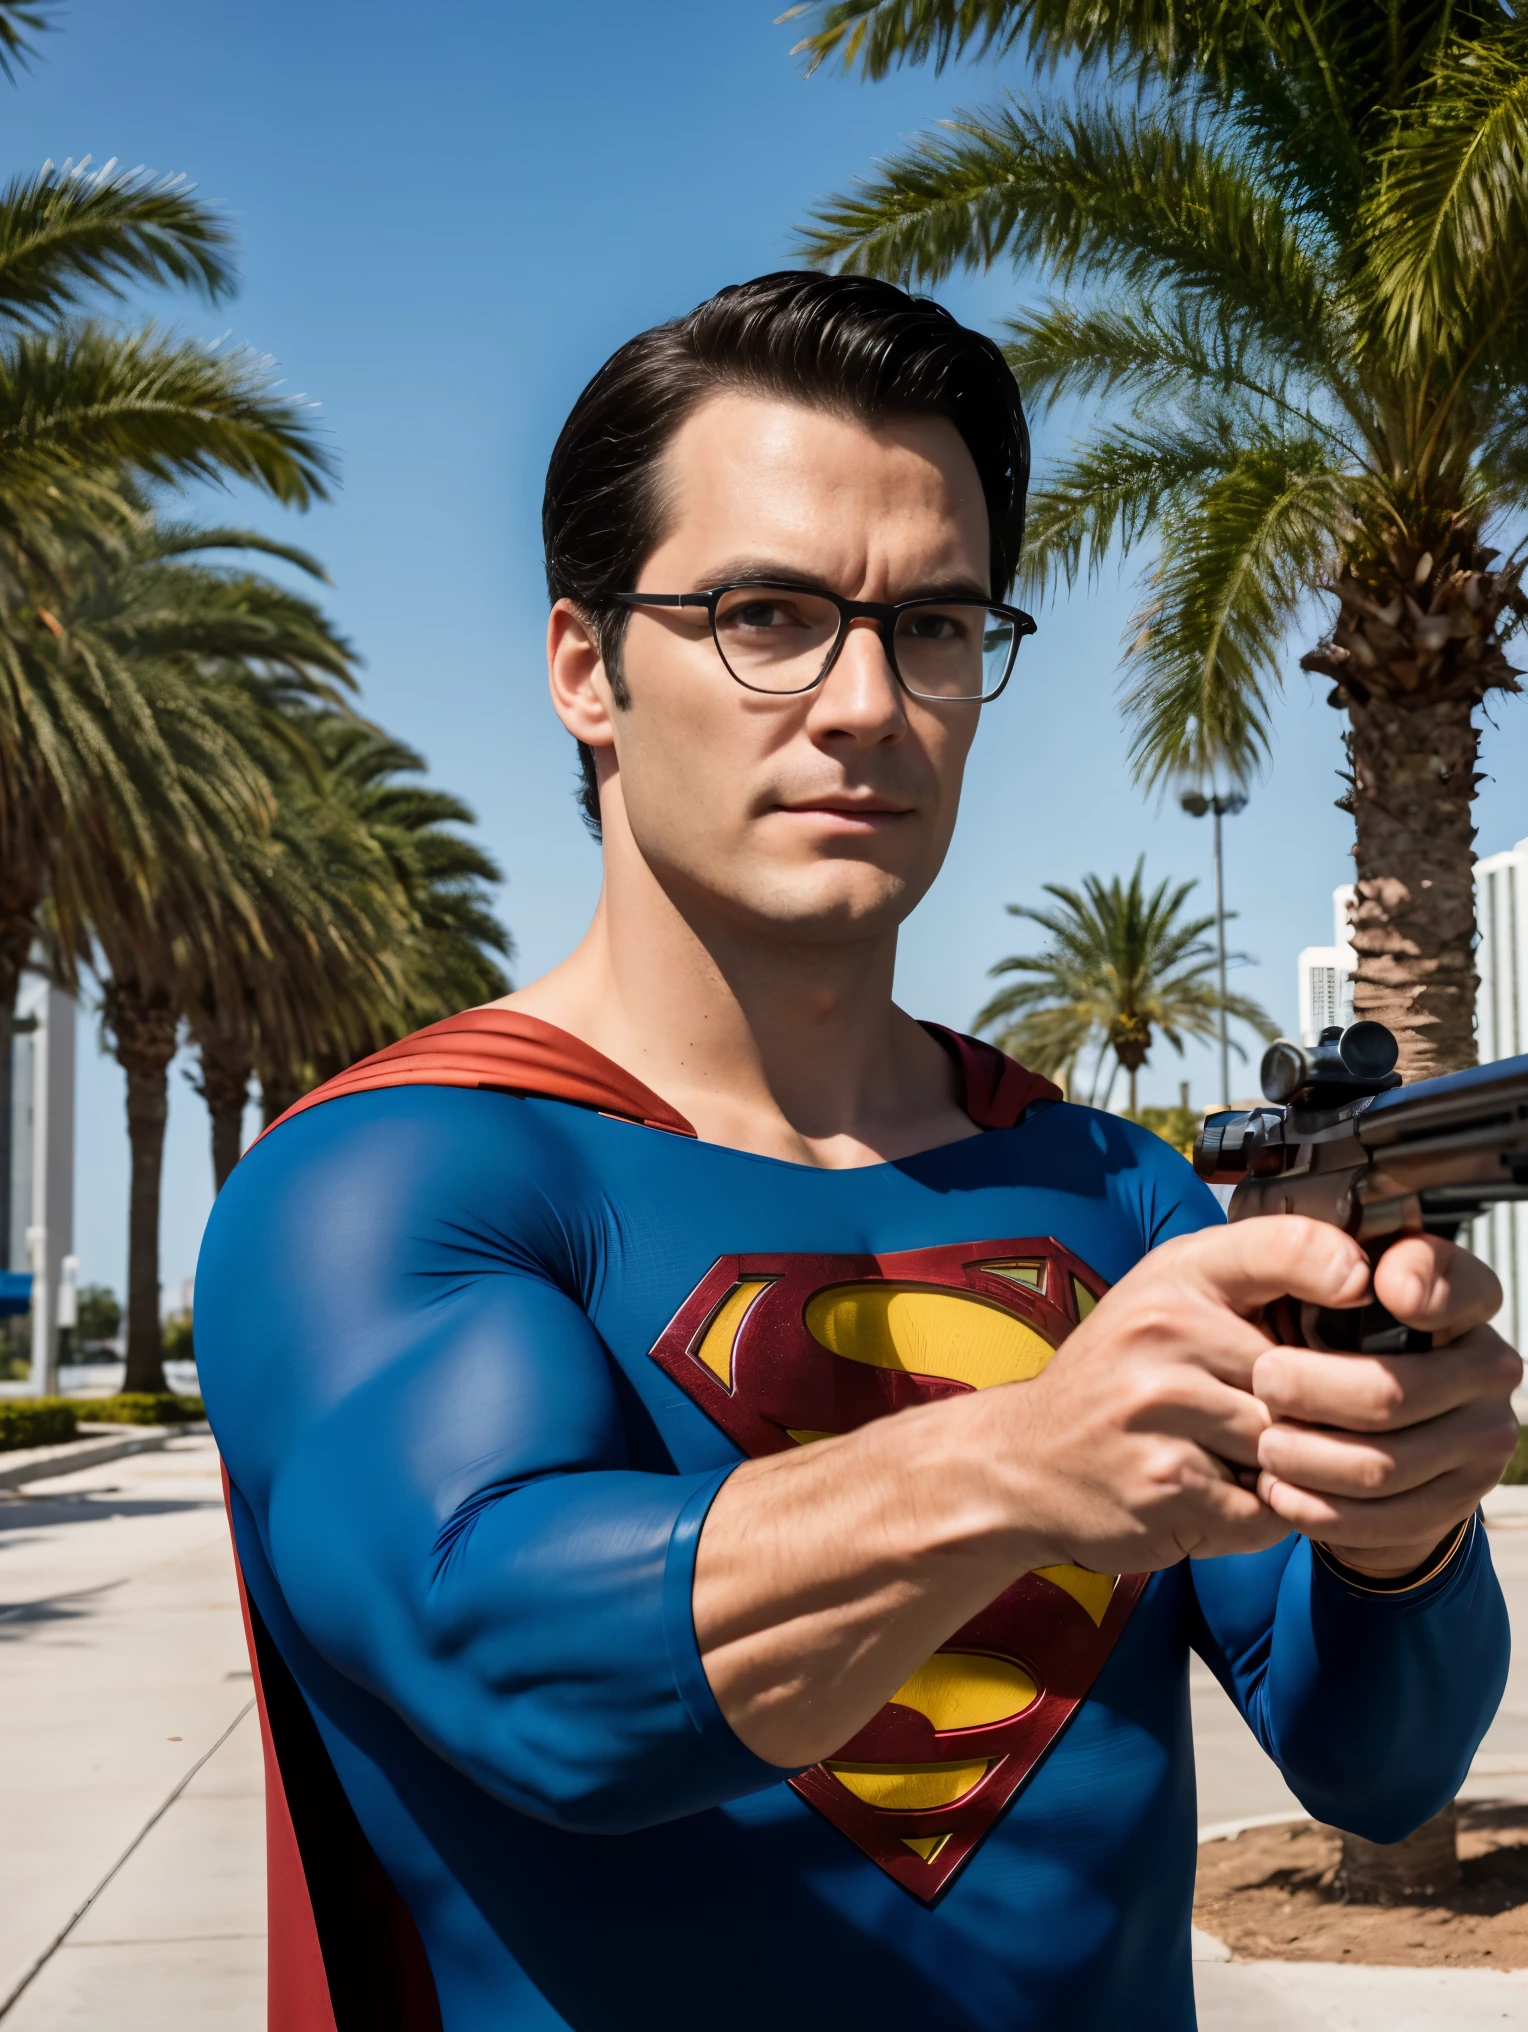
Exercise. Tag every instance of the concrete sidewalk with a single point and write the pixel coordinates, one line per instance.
(124, 1671)
(132, 1772)
(1237, 1783)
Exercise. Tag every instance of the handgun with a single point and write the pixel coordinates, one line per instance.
(1342, 1140)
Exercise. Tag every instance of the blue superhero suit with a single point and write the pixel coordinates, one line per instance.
(478, 1362)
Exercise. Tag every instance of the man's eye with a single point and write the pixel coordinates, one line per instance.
(762, 616)
(935, 628)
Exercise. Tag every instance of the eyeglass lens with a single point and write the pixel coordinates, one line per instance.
(778, 638)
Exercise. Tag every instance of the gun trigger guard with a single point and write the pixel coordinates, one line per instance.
(1362, 1330)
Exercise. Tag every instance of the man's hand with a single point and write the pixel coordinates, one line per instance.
(826, 1576)
(1139, 1444)
(1380, 1456)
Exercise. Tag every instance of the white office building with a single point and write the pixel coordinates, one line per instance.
(1501, 1031)
(40, 1241)
(1327, 973)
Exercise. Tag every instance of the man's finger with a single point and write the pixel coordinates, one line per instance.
(1250, 1263)
(1478, 1437)
(1226, 1422)
(1231, 1518)
(1430, 1283)
(1382, 1393)
(1420, 1515)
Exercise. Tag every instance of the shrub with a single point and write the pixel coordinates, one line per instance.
(178, 1343)
(36, 1421)
(1177, 1126)
(140, 1407)
(99, 1314)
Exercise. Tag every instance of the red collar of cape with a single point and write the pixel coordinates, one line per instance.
(344, 1953)
(522, 1055)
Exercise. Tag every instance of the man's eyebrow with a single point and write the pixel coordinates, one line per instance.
(949, 589)
(767, 571)
(771, 572)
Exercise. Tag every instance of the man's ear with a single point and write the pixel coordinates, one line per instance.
(580, 688)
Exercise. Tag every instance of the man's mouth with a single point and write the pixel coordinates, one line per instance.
(858, 814)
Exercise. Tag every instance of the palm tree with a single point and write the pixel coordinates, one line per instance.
(400, 844)
(87, 418)
(1120, 965)
(320, 983)
(1283, 244)
(209, 653)
(443, 875)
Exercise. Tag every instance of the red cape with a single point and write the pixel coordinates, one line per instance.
(344, 1953)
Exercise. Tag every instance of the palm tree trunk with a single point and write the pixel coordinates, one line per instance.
(144, 1027)
(11, 962)
(224, 1086)
(278, 1090)
(1413, 771)
(1415, 649)
(18, 928)
(1425, 1864)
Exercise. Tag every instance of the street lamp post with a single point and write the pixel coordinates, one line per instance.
(1222, 805)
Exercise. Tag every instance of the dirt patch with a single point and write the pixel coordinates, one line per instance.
(1266, 1894)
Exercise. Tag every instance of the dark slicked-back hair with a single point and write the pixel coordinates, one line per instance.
(847, 344)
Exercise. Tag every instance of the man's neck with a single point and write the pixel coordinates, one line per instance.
(790, 1047)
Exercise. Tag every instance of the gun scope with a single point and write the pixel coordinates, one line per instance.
(1341, 1067)
(1362, 1057)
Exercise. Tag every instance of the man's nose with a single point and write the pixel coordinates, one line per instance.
(860, 695)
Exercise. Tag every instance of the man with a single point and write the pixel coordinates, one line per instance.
(728, 1478)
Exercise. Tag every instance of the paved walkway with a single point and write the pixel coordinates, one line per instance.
(1238, 1783)
(125, 1695)
(131, 1784)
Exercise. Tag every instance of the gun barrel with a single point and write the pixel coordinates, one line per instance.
(1488, 1103)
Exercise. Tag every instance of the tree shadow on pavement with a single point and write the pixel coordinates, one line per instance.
(19, 1619)
(91, 1506)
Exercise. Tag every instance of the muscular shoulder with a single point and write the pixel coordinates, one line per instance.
(1144, 1178)
(349, 1241)
(367, 1210)
(405, 1161)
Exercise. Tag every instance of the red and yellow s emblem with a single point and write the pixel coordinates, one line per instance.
(784, 1350)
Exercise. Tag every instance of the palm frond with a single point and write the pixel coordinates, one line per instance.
(182, 539)
(67, 230)
(20, 20)
(82, 399)
(1154, 352)
(1448, 221)
(136, 720)
(1235, 566)
(876, 36)
(1114, 491)
(1153, 199)
(1162, 36)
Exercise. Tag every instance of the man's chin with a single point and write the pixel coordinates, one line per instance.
(830, 906)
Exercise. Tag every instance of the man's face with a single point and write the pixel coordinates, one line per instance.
(826, 815)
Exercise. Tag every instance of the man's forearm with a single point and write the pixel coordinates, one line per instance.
(826, 1577)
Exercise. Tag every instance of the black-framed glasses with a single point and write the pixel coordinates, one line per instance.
(785, 639)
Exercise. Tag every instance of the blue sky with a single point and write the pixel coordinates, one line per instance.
(448, 218)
